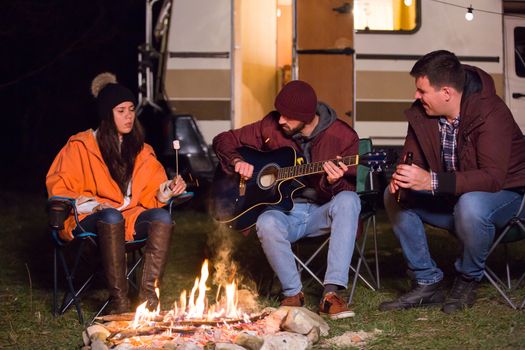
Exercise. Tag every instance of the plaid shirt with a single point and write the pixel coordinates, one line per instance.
(448, 132)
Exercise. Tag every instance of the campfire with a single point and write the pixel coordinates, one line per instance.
(195, 308)
(195, 323)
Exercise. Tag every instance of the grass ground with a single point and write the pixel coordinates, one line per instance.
(26, 321)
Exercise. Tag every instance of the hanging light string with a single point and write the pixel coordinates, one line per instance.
(472, 9)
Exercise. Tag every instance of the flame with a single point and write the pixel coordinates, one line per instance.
(143, 315)
(231, 300)
(195, 307)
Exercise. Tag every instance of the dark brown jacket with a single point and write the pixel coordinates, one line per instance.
(337, 139)
(491, 147)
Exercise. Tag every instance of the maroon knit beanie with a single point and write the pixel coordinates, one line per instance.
(297, 100)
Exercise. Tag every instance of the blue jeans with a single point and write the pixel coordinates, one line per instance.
(113, 216)
(474, 217)
(277, 230)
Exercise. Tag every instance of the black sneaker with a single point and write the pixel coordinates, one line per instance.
(462, 295)
(421, 295)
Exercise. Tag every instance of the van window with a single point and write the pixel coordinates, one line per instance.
(519, 51)
(385, 16)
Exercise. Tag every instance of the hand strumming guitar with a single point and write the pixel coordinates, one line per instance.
(243, 168)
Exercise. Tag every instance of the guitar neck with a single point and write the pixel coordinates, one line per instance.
(312, 168)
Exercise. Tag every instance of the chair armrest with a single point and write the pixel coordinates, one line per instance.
(180, 199)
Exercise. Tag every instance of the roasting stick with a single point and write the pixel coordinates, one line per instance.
(176, 147)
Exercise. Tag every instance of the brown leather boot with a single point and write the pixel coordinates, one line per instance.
(155, 256)
(113, 252)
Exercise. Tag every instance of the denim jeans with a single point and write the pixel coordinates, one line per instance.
(277, 230)
(474, 218)
(113, 216)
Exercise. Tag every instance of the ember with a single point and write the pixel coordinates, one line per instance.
(292, 328)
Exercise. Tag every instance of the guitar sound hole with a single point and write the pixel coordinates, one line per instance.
(267, 176)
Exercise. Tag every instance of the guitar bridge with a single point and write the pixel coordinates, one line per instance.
(242, 187)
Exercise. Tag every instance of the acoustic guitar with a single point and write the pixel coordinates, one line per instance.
(239, 203)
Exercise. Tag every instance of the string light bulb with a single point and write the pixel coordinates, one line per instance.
(407, 2)
(469, 16)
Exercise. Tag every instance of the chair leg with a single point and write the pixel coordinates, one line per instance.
(361, 260)
(74, 296)
(71, 291)
(518, 283)
(312, 257)
(360, 248)
(507, 267)
(497, 286)
(100, 311)
(495, 277)
(131, 275)
(304, 266)
(55, 282)
(376, 255)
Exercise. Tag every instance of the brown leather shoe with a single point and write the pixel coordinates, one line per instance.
(333, 306)
(294, 300)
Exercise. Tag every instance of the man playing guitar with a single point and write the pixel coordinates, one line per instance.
(326, 204)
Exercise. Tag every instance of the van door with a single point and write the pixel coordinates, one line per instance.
(515, 68)
(324, 53)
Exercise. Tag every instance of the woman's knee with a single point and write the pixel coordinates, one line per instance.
(110, 216)
(156, 214)
(161, 215)
(143, 223)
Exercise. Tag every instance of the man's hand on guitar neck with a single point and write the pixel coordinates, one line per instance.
(243, 168)
(334, 172)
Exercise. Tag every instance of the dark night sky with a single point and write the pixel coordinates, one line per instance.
(51, 50)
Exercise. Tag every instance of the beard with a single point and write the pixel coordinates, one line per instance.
(289, 131)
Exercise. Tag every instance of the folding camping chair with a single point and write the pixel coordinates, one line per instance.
(513, 231)
(76, 285)
(369, 198)
(58, 210)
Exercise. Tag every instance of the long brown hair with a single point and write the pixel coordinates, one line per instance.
(120, 158)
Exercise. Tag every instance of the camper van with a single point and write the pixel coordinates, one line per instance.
(227, 59)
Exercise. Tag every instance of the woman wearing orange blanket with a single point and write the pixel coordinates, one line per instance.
(120, 189)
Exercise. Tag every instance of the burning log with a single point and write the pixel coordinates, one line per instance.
(143, 331)
(161, 320)
(129, 316)
(153, 330)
